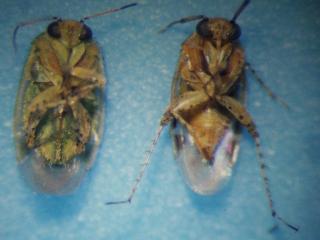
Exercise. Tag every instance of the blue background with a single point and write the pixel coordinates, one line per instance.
(281, 40)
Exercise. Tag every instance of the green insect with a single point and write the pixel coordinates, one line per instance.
(59, 107)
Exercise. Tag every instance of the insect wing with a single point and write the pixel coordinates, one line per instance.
(203, 176)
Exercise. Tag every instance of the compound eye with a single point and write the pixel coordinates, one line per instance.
(53, 29)
(203, 29)
(236, 32)
(86, 33)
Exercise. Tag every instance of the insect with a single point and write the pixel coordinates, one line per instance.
(59, 107)
(206, 107)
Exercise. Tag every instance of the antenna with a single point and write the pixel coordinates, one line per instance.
(27, 23)
(182, 20)
(34, 21)
(240, 9)
(105, 12)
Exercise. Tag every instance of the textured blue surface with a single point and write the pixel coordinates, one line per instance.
(281, 39)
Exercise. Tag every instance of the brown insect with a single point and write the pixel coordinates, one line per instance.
(206, 106)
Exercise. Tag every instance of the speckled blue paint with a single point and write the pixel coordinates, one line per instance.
(281, 39)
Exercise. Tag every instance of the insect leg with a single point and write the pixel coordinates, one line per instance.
(45, 100)
(89, 68)
(81, 92)
(233, 71)
(188, 102)
(145, 164)
(265, 87)
(240, 113)
(89, 74)
(82, 116)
